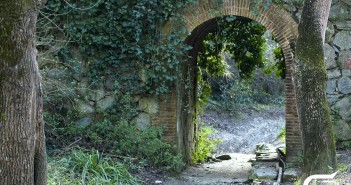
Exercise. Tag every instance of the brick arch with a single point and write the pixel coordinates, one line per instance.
(199, 21)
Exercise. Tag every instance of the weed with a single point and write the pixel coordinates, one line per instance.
(79, 168)
(204, 145)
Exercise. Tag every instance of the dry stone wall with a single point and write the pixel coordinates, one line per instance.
(337, 51)
(162, 110)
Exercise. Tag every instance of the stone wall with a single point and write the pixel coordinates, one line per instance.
(338, 63)
(162, 110)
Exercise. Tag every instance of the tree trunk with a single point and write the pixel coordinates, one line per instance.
(319, 156)
(22, 139)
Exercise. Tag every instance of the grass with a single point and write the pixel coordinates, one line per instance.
(79, 167)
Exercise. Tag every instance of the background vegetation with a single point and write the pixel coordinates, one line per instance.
(102, 41)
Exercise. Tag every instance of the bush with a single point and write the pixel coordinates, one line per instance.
(204, 144)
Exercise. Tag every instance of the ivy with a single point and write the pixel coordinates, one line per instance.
(116, 35)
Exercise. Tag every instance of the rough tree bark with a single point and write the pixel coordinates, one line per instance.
(319, 156)
(22, 139)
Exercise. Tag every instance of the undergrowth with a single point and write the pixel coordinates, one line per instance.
(78, 167)
(204, 144)
(125, 139)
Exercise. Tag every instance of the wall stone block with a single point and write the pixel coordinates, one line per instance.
(331, 87)
(85, 108)
(343, 108)
(339, 12)
(343, 40)
(344, 85)
(329, 56)
(143, 121)
(342, 130)
(335, 73)
(105, 103)
(344, 25)
(149, 105)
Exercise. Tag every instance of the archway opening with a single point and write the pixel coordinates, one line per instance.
(245, 100)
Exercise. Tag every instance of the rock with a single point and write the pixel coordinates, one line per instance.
(57, 73)
(339, 12)
(266, 152)
(331, 87)
(342, 131)
(264, 173)
(82, 86)
(291, 174)
(96, 94)
(343, 40)
(329, 56)
(334, 73)
(85, 108)
(344, 25)
(346, 72)
(344, 85)
(148, 105)
(143, 121)
(348, 2)
(329, 32)
(158, 182)
(345, 60)
(224, 157)
(84, 122)
(110, 84)
(333, 98)
(105, 103)
(343, 108)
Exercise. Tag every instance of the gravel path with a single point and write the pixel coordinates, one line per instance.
(242, 135)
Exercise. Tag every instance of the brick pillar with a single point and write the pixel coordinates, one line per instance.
(293, 133)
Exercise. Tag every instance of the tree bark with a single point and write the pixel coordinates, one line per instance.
(22, 139)
(319, 156)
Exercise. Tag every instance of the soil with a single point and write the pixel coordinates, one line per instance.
(240, 136)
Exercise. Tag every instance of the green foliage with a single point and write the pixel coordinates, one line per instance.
(79, 168)
(124, 138)
(204, 144)
(241, 38)
(344, 168)
(282, 134)
(117, 35)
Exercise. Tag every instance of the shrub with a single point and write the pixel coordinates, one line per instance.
(204, 144)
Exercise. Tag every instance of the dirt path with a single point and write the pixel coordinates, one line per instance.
(240, 137)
